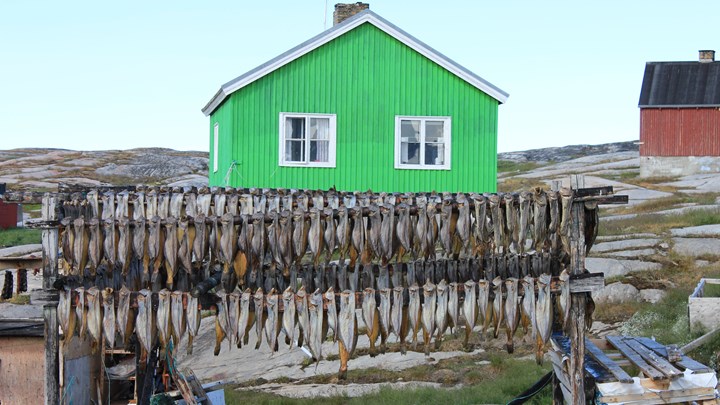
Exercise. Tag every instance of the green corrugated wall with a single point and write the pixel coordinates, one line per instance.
(366, 77)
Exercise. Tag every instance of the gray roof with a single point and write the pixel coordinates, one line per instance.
(681, 84)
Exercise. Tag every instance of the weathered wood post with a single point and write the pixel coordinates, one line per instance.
(578, 301)
(50, 262)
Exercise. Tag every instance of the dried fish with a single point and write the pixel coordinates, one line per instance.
(330, 237)
(343, 232)
(177, 316)
(421, 229)
(564, 298)
(289, 316)
(511, 221)
(374, 231)
(193, 320)
(511, 311)
(259, 301)
(540, 219)
(498, 310)
(384, 315)
(469, 309)
(315, 238)
(447, 226)
(110, 242)
(170, 250)
(543, 315)
(95, 245)
(301, 307)
(554, 226)
(370, 317)
(462, 228)
(272, 322)
(404, 231)
(125, 319)
(222, 321)
(523, 227)
(454, 307)
(124, 247)
(80, 248)
(441, 312)
(186, 238)
(432, 229)
(163, 317)
(387, 233)
(284, 241)
(300, 234)
(358, 236)
(81, 312)
(528, 305)
(66, 315)
(398, 317)
(156, 247)
(145, 329)
(200, 243)
(228, 250)
(247, 317)
(428, 314)
(414, 312)
(317, 329)
(566, 219)
(348, 329)
(498, 222)
(484, 308)
(332, 314)
(108, 322)
(480, 230)
(94, 317)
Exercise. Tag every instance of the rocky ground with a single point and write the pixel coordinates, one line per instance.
(638, 247)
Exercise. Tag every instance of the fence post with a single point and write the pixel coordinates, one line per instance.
(50, 262)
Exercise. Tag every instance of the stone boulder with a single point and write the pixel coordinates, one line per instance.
(617, 293)
(652, 295)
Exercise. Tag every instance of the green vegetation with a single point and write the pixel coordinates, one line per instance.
(19, 299)
(659, 223)
(19, 236)
(500, 381)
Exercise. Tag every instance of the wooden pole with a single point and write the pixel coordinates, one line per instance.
(50, 261)
(576, 324)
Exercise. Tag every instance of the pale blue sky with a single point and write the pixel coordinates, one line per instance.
(91, 75)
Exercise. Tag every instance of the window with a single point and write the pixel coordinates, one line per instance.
(307, 140)
(422, 143)
(216, 139)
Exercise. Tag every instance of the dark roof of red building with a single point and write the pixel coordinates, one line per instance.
(681, 84)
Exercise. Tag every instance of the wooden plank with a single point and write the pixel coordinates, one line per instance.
(50, 271)
(606, 362)
(653, 359)
(686, 363)
(662, 396)
(577, 300)
(635, 358)
(561, 391)
(587, 282)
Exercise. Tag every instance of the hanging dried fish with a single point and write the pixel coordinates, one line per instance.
(374, 232)
(272, 322)
(454, 307)
(441, 312)
(528, 306)
(330, 235)
(177, 316)
(540, 219)
(186, 239)
(163, 207)
(192, 314)
(484, 308)
(524, 202)
(163, 317)
(122, 209)
(124, 247)
(348, 329)
(247, 317)
(289, 316)
(284, 241)
(176, 202)
(511, 311)
(246, 205)
(222, 321)
(384, 316)
(301, 306)
(498, 222)
(110, 243)
(259, 301)
(156, 247)
(469, 310)
(370, 317)
(108, 321)
(125, 319)
(301, 227)
(511, 221)
(543, 315)
(428, 314)
(564, 298)
(498, 310)
(145, 329)
(358, 236)
(171, 250)
(318, 330)
(421, 230)
(432, 229)
(398, 317)
(315, 238)
(554, 226)
(462, 228)
(332, 314)
(480, 230)
(566, 219)
(200, 243)
(343, 233)
(388, 239)
(414, 310)
(94, 317)
(228, 250)
(219, 199)
(152, 203)
(95, 245)
(447, 226)
(81, 312)
(80, 246)
(404, 232)
(66, 315)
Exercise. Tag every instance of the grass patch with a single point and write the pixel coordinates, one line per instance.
(666, 203)
(711, 290)
(658, 223)
(515, 184)
(511, 166)
(19, 236)
(19, 299)
(498, 382)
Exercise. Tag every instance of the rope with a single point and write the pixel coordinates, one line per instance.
(67, 389)
(530, 392)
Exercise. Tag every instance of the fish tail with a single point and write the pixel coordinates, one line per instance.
(190, 344)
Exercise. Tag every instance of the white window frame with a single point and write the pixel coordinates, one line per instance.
(447, 136)
(216, 141)
(331, 137)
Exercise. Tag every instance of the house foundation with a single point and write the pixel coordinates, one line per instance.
(674, 166)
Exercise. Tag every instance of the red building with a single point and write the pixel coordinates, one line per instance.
(680, 117)
(10, 214)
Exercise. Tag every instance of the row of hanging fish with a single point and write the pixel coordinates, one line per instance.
(252, 234)
(415, 315)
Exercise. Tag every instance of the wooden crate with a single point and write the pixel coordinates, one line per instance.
(660, 381)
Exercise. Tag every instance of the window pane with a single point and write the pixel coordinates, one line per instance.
(434, 154)
(294, 151)
(410, 130)
(295, 128)
(434, 131)
(410, 153)
(319, 151)
(319, 128)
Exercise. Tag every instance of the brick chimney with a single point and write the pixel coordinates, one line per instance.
(344, 11)
(706, 56)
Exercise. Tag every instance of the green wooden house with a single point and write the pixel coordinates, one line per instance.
(363, 105)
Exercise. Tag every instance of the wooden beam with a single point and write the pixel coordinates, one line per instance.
(52, 361)
(578, 301)
(653, 359)
(685, 363)
(650, 371)
(608, 363)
